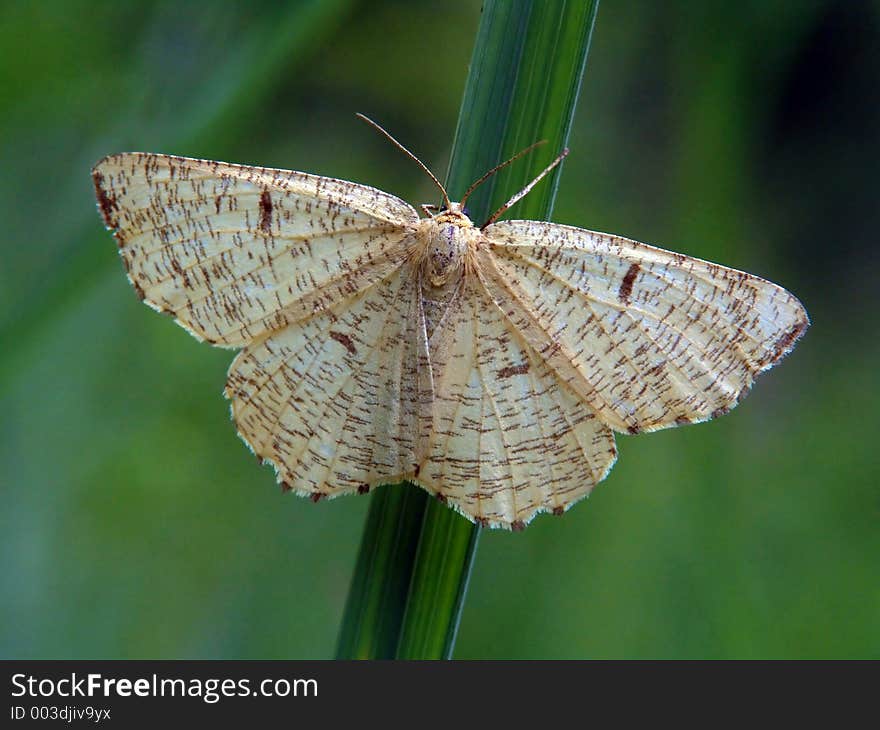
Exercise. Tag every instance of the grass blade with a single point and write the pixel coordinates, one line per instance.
(523, 86)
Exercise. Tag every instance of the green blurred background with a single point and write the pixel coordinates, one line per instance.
(136, 525)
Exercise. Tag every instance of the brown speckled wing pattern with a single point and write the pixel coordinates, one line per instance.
(497, 389)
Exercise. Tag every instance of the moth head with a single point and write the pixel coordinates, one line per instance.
(452, 211)
(455, 213)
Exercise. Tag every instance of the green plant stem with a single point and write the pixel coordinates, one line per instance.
(416, 555)
(377, 597)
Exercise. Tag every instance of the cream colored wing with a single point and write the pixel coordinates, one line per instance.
(509, 438)
(647, 337)
(234, 252)
(339, 402)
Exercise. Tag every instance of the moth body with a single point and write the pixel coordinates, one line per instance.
(447, 240)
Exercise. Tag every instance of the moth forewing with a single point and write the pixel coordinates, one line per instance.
(662, 338)
(236, 252)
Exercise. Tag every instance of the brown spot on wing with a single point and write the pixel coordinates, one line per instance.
(786, 342)
(517, 526)
(626, 286)
(343, 340)
(363, 488)
(139, 290)
(106, 201)
(559, 511)
(512, 370)
(265, 211)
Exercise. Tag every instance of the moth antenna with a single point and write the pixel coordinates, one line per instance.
(410, 155)
(525, 191)
(497, 168)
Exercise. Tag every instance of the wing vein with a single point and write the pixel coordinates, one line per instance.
(252, 237)
(667, 350)
(487, 391)
(615, 305)
(546, 443)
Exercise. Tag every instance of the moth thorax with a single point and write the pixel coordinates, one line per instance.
(445, 250)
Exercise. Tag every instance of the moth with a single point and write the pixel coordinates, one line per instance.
(490, 364)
